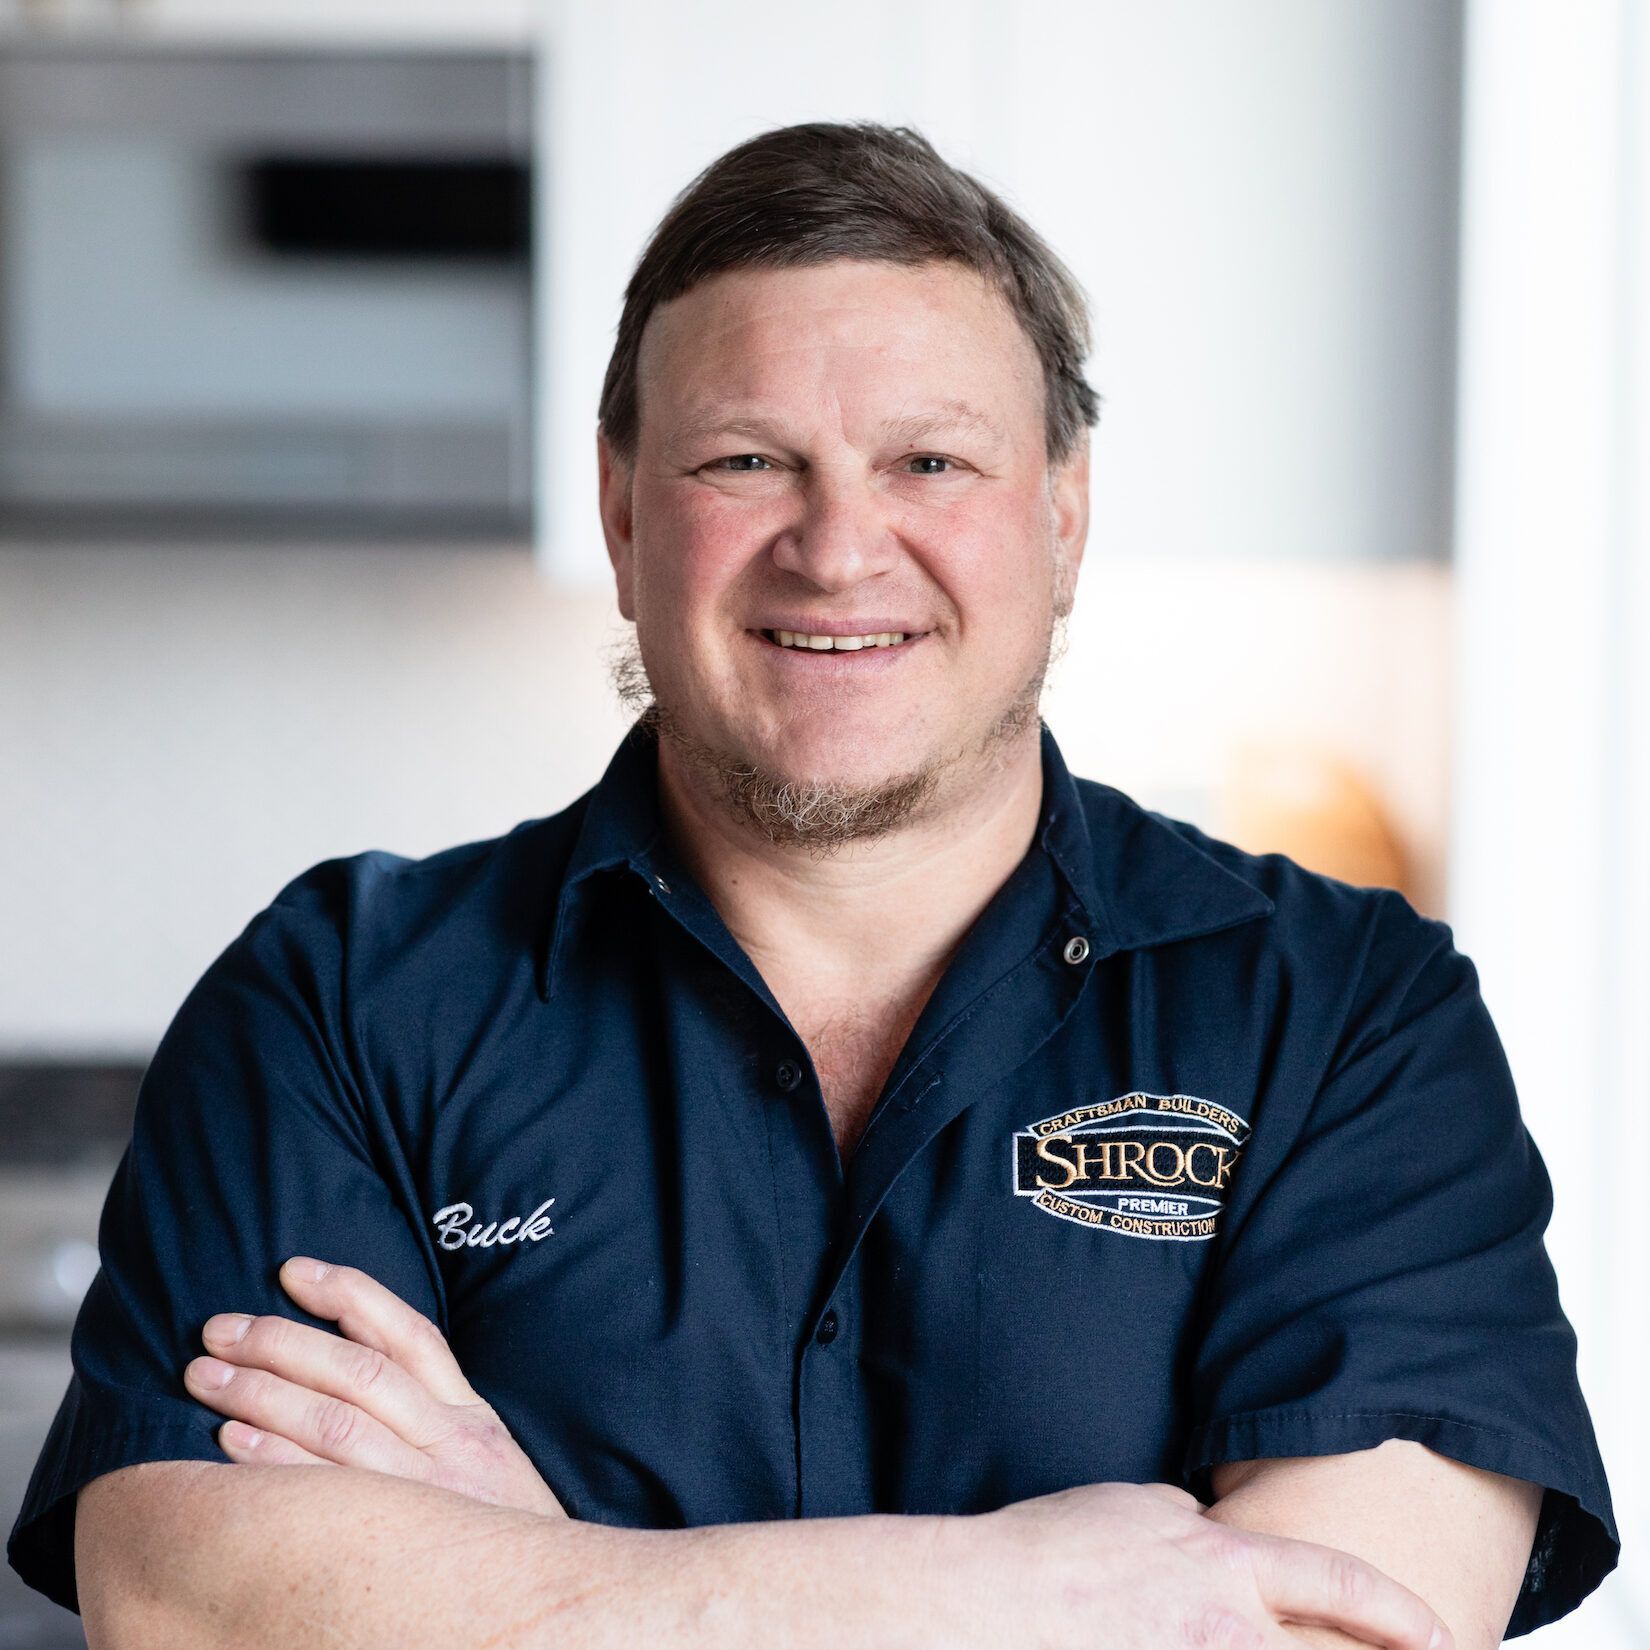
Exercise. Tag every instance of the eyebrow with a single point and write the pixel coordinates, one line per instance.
(946, 416)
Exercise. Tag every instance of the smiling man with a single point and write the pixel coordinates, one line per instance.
(842, 634)
(845, 1179)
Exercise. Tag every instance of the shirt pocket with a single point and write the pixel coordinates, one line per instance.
(1094, 1248)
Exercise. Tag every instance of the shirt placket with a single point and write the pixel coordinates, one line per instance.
(1011, 985)
(1008, 992)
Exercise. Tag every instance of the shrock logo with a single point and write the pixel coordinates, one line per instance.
(1146, 1165)
(456, 1232)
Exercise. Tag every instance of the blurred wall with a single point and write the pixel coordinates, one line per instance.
(184, 729)
(1550, 840)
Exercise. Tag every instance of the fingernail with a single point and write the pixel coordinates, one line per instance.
(1437, 1639)
(243, 1436)
(310, 1270)
(226, 1328)
(209, 1372)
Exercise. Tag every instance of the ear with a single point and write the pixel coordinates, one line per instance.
(1069, 502)
(618, 524)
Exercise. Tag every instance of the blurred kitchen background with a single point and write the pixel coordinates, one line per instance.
(304, 307)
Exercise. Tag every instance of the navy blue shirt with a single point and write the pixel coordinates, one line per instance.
(1193, 1156)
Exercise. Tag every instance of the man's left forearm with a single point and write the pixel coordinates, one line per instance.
(1457, 1535)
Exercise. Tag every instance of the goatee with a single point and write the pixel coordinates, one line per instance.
(820, 816)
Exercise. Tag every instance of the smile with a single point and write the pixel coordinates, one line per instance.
(836, 644)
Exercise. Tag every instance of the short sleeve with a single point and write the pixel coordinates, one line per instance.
(1386, 1275)
(253, 1139)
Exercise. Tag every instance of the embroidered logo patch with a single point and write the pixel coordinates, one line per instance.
(1146, 1165)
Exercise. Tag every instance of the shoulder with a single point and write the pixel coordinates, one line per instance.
(1304, 922)
(378, 942)
(376, 914)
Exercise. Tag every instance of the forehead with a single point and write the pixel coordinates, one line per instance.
(846, 329)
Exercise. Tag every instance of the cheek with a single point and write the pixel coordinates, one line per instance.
(692, 554)
(701, 543)
(998, 573)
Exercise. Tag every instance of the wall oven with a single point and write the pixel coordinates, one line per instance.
(264, 286)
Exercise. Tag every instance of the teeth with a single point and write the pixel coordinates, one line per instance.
(838, 644)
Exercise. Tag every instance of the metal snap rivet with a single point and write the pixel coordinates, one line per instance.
(1077, 948)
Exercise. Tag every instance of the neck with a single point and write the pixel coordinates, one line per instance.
(873, 914)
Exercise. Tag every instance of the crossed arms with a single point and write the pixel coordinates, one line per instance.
(386, 1504)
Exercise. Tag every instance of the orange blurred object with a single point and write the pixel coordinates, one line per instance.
(1308, 803)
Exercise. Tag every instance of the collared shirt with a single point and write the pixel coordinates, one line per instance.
(1192, 1156)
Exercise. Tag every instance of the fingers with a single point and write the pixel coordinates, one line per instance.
(1303, 1581)
(327, 1427)
(375, 1316)
(306, 1383)
(1175, 1495)
(331, 1365)
(265, 1449)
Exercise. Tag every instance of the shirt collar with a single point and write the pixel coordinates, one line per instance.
(1142, 878)
(1138, 879)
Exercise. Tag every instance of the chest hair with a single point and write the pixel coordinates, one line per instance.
(853, 1049)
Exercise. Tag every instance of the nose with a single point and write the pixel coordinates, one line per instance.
(843, 533)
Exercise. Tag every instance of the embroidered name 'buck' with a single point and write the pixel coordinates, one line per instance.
(455, 1230)
(1145, 1165)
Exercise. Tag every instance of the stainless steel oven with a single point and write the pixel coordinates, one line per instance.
(267, 285)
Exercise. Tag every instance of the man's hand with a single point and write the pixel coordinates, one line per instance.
(1139, 1567)
(386, 1395)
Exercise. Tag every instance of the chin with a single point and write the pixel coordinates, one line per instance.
(828, 746)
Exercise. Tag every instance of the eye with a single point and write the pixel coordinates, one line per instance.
(738, 458)
(930, 458)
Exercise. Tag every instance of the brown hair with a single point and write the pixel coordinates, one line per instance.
(806, 194)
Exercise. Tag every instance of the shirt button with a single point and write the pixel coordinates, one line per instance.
(787, 1074)
(826, 1332)
(1077, 948)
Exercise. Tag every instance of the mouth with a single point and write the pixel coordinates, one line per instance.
(816, 647)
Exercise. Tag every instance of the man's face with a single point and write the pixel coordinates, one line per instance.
(850, 447)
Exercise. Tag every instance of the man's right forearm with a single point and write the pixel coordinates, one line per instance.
(282, 1558)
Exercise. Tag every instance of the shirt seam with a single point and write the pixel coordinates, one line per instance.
(1338, 1063)
(1311, 1413)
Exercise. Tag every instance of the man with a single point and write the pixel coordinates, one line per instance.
(843, 1180)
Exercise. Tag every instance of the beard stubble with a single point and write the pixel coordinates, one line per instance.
(821, 816)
